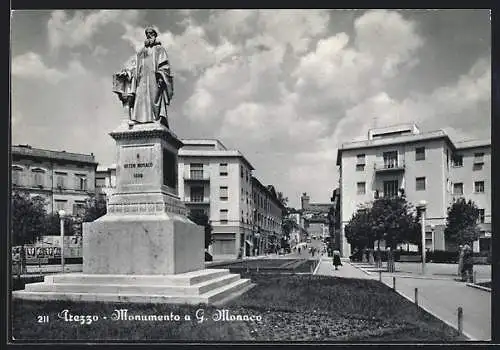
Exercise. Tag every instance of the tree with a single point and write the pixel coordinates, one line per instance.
(461, 222)
(28, 217)
(393, 221)
(95, 208)
(358, 230)
(283, 200)
(288, 226)
(202, 219)
(53, 225)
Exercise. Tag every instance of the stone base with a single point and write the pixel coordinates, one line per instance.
(204, 286)
(143, 245)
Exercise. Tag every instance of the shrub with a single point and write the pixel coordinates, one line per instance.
(442, 256)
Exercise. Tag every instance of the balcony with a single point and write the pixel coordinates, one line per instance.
(389, 166)
(196, 201)
(196, 175)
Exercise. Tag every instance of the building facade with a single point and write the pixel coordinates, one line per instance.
(267, 218)
(105, 181)
(316, 215)
(66, 180)
(426, 166)
(218, 181)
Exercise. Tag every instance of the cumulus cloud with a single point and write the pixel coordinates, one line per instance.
(30, 65)
(79, 29)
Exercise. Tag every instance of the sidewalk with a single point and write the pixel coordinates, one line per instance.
(440, 297)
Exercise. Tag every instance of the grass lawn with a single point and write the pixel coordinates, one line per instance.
(291, 307)
(270, 265)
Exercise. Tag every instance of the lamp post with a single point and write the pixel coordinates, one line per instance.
(62, 213)
(421, 206)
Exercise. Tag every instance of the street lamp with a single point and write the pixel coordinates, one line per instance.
(421, 206)
(62, 213)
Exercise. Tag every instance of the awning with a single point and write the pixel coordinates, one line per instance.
(248, 242)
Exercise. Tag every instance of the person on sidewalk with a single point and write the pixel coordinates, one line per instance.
(468, 266)
(336, 259)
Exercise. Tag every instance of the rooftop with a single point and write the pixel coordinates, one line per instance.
(27, 150)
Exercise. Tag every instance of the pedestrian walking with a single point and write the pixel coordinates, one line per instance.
(468, 266)
(336, 259)
(460, 259)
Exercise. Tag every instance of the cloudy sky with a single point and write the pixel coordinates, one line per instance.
(285, 87)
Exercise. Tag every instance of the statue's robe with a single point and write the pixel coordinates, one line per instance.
(151, 98)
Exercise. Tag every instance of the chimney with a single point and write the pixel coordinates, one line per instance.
(304, 200)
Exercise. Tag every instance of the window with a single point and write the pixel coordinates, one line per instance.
(480, 218)
(223, 169)
(458, 188)
(458, 160)
(38, 177)
(360, 164)
(224, 247)
(420, 184)
(478, 158)
(100, 182)
(61, 180)
(361, 188)
(196, 171)
(420, 153)
(60, 204)
(391, 188)
(479, 186)
(197, 194)
(241, 172)
(79, 208)
(223, 216)
(390, 159)
(82, 183)
(16, 176)
(223, 193)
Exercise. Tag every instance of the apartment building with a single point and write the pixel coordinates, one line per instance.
(267, 219)
(66, 180)
(105, 180)
(426, 166)
(218, 181)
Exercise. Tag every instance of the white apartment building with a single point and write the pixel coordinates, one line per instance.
(427, 166)
(218, 181)
(105, 180)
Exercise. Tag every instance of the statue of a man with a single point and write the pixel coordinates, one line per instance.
(147, 82)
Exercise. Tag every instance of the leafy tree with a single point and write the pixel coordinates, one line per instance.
(53, 225)
(461, 222)
(288, 226)
(358, 230)
(201, 219)
(393, 220)
(95, 208)
(282, 198)
(28, 217)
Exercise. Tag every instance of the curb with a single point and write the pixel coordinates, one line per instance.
(473, 285)
(430, 312)
(317, 267)
(360, 268)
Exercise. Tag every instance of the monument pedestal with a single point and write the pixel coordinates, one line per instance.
(144, 249)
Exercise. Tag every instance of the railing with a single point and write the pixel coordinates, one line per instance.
(389, 165)
(196, 200)
(194, 175)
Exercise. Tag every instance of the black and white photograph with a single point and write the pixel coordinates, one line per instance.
(250, 175)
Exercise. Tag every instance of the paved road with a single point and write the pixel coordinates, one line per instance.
(441, 297)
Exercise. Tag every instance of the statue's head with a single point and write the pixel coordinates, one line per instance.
(150, 32)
